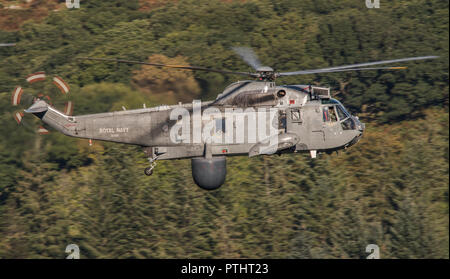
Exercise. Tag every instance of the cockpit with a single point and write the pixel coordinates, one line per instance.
(333, 111)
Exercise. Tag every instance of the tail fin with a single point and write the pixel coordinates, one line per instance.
(39, 109)
(52, 117)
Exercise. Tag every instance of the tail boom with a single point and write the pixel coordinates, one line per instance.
(101, 126)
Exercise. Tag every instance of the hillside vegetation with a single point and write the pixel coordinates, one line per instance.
(391, 189)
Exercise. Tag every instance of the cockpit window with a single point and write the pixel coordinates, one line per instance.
(334, 109)
(343, 108)
(332, 101)
(332, 114)
(341, 113)
(329, 114)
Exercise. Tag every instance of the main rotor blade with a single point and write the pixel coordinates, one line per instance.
(248, 56)
(6, 45)
(193, 68)
(355, 67)
(368, 69)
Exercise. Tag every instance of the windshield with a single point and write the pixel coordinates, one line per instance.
(339, 106)
(341, 112)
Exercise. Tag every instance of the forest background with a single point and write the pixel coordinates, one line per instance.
(391, 189)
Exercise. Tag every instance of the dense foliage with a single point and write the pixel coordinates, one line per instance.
(391, 189)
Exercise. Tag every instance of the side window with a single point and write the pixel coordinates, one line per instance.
(282, 120)
(329, 114)
(295, 115)
(326, 114)
(332, 111)
(220, 125)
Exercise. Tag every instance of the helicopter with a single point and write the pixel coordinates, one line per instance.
(249, 118)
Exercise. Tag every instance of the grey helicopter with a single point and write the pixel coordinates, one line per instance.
(249, 118)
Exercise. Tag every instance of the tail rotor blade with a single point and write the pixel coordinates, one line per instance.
(18, 116)
(42, 131)
(16, 96)
(68, 110)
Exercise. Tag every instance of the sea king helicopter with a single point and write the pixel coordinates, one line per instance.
(250, 117)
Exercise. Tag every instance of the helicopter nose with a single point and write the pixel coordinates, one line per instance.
(359, 125)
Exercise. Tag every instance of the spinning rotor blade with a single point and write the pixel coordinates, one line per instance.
(368, 69)
(193, 68)
(357, 67)
(19, 97)
(28, 124)
(7, 44)
(248, 56)
(267, 73)
(22, 100)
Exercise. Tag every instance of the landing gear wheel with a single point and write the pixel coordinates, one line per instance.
(148, 171)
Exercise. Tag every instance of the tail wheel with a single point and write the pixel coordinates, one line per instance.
(148, 171)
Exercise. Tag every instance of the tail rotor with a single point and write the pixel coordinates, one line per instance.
(57, 96)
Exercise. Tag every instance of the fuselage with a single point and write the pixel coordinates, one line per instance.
(248, 118)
